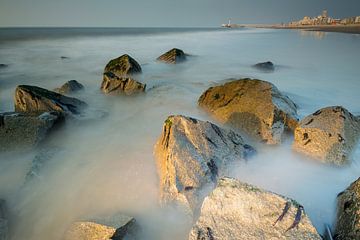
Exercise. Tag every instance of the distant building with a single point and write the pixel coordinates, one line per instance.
(324, 19)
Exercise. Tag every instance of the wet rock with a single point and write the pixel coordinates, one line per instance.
(19, 131)
(123, 66)
(70, 87)
(236, 210)
(112, 84)
(173, 56)
(265, 66)
(35, 99)
(40, 160)
(329, 135)
(117, 227)
(348, 213)
(2, 65)
(253, 106)
(4, 229)
(64, 57)
(191, 155)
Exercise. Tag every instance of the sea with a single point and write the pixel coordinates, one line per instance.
(106, 165)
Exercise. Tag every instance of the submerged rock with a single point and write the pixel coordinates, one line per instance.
(265, 66)
(348, 213)
(236, 210)
(329, 135)
(19, 131)
(173, 56)
(117, 227)
(70, 87)
(40, 160)
(123, 66)
(253, 106)
(113, 84)
(35, 99)
(4, 228)
(2, 65)
(191, 155)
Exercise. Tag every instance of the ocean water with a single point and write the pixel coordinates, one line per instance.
(107, 165)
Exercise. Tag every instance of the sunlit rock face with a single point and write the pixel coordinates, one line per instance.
(69, 87)
(173, 56)
(348, 213)
(191, 155)
(236, 210)
(119, 76)
(32, 99)
(253, 106)
(117, 227)
(4, 228)
(19, 131)
(329, 135)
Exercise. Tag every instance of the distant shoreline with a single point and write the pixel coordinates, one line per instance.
(354, 29)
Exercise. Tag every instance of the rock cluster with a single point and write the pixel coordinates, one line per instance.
(253, 106)
(329, 135)
(173, 56)
(191, 154)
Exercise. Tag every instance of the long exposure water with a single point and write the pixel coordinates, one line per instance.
(107, 165)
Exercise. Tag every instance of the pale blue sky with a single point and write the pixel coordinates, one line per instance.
(164, 13)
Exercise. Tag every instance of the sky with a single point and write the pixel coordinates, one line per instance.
(164, 13)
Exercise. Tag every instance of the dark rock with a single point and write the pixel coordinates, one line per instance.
(2, 65)
(253, 106)
(348, 213)
(173, 56)
(70, 87)
(112, 84)
(64, 57)
(4, 228)
(32, 99)
(265, 66)
(123, 66)
(19, 131)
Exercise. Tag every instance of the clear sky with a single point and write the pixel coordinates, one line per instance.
(164, 13)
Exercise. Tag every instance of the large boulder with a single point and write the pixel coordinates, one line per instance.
(123, 66)
(348, 213)
(265, 66)
(71, 86)
(191, 155)
(173, 56)
(32, 99)
(19, 131)
(329, 135)
(112, 84)
(4, 228)
(253, 106)
(236, 210)
(116, 227)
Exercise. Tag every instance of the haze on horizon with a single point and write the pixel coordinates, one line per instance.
(164, 13)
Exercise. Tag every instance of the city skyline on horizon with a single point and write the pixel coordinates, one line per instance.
(164, 13)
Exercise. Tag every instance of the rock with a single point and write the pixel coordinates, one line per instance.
(69, 87)
(4, 229)
(329, 135)
(64, 57)
(265, 66)
(191, 155)
(173, 56)
(113, 84)
(236, 210)
(123, 66)
(19, 131)
(253, 106)
(39, 161)
(35, 99)
(2, 65)
(348, 213)
(117, 228)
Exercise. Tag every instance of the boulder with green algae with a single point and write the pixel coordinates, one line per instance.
(252, 106)
(348, 213)
(237, 210)
(173, 56)
(328, 135)
(32, 99)
(112, 84)
(123, 66)
(191, 155)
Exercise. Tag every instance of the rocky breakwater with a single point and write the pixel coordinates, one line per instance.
(236, 210)
(329, 135)
(348, 213)
(173, 56)
(191, 155)
(253, 106)
(119, 76)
